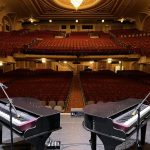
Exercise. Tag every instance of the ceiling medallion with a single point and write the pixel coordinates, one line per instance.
(76, 4)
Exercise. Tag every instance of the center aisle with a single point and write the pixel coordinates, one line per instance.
(75, 98)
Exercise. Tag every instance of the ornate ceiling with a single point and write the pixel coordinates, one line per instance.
(85, 5)
(63, 10)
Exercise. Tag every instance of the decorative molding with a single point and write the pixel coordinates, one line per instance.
(111, 9)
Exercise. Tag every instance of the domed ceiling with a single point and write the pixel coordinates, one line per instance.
(63, 9)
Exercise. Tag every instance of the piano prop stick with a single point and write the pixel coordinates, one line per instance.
(137, 111)
(11, 106)
(114, 122)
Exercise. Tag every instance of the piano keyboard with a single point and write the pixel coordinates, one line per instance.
(127, 120)
(16, 120)
(25, 120)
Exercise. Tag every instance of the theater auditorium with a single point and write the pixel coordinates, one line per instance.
(74, 74)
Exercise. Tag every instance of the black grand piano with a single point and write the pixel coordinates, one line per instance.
(114, 122)
(35, 123)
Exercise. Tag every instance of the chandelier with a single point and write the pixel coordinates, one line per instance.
(76, 3)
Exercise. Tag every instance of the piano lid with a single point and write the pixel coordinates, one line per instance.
(106, 110)
(31, 105)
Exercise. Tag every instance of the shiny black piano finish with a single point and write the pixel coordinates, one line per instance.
(48, 121)
(98, 119)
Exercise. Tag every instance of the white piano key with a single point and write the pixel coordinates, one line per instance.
(127, 120)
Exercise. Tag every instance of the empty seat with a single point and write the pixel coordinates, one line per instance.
(61, 103)
(49, 106)
(58, 108)
(43, 103)
(52, 104)
(90, 102)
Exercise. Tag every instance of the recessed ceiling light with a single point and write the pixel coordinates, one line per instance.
(1, 63)
(65, 62)
(44, 60)
(109, 60)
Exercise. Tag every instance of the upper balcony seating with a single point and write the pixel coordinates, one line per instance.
(44, 42)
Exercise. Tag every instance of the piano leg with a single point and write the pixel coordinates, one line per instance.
(109, 143)
(143, 134)
(93, 141)
(39, 141)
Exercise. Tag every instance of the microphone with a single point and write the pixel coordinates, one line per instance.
(9, 99)
(4, 86)
(139, 105)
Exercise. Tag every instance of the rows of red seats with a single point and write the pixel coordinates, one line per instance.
(69, 45)
(45, 85)
(11, 42)
(125, 33)
(97, 87)
(134, 39)
(142, 43)
(44, 42)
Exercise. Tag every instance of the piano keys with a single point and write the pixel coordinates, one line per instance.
(113, 122)
(21, 123)
(35, 123)
(128, 120)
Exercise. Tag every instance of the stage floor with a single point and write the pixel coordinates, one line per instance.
(74, 137)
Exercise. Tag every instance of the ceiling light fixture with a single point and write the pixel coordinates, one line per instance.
(91, 62)
(50, 20)
(65, 62)
(32, 20)
(122, 20)
(44, 60)
(1, 63)
(76, 3)
(109, 60)
(77, 21)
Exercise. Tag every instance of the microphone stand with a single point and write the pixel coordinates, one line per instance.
(138, 145)
(138, 109)
(10, 110)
